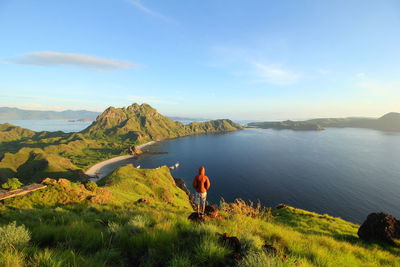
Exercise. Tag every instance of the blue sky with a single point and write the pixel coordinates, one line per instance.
(212, 59)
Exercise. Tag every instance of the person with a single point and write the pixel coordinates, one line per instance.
(201, 183)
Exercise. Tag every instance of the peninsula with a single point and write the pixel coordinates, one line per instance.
(388, 122)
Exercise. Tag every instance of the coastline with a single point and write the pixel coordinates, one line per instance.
(94, 171)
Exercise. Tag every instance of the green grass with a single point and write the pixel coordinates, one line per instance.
(68, 228)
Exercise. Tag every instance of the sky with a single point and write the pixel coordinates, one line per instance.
(249, 60)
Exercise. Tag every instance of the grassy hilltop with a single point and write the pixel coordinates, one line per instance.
(139, 217)
(68, 225)
(32, 156)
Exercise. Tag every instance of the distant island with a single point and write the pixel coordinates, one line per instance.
(7, 113)
(292, 125)
(388, 122)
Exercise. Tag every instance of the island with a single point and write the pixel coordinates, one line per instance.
(389, 122)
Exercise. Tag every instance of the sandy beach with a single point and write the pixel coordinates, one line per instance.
(103, 168)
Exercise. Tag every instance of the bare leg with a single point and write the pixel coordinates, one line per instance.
(203, 207)
(198, 209)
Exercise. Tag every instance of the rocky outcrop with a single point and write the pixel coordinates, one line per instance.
(211, 211)
(380, 227)
(233, 243)
(134, 150)
(273, 251)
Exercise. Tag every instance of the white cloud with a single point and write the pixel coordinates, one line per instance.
(275, 74)
(51, 58)
(138, 4)
(150, 100)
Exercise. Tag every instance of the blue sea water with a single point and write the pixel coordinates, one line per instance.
(50, 125)
(342, 172)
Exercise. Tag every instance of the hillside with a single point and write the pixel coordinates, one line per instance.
(388, 122)
(142, 123)
(32, 156)
(69, 225)
(9, 132)
(7, 113)
(34, 164)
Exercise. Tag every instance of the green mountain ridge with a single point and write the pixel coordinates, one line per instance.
(58, 154)
(142, 123)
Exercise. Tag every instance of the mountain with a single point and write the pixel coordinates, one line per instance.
(141, 123)
(7, 113)
(388, 122)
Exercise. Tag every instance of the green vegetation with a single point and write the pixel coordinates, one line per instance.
(11, 184)
(72, 226)
(138, 217)
(141, 123)
(9, 132)
(33, 156)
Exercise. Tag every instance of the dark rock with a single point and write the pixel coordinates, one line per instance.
(133, 150)
(211, 211)
(280, 206)
(181, 184)
(272, 250)
(231, 241)
(143, 200)
(195, 217)
(380, 227)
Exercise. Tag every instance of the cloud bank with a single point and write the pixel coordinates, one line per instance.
(51, 58)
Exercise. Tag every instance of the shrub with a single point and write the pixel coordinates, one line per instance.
(138, 223)
(91, 186)
(13, 236)
(12, 184)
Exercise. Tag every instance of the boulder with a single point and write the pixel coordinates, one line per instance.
(270, 249)
(49, 181)
(63, 181)
(211, 211)
(380, 227)
(195, 217)
(143, 200)
(231, 241)
(280, 206)
(273, 251)
(135, 150)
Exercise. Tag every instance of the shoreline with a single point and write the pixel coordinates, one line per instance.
(93, 172)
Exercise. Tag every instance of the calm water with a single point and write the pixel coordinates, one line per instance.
(50, 125)
(343, 172)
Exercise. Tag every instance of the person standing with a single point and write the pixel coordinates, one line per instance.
(201, 184)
